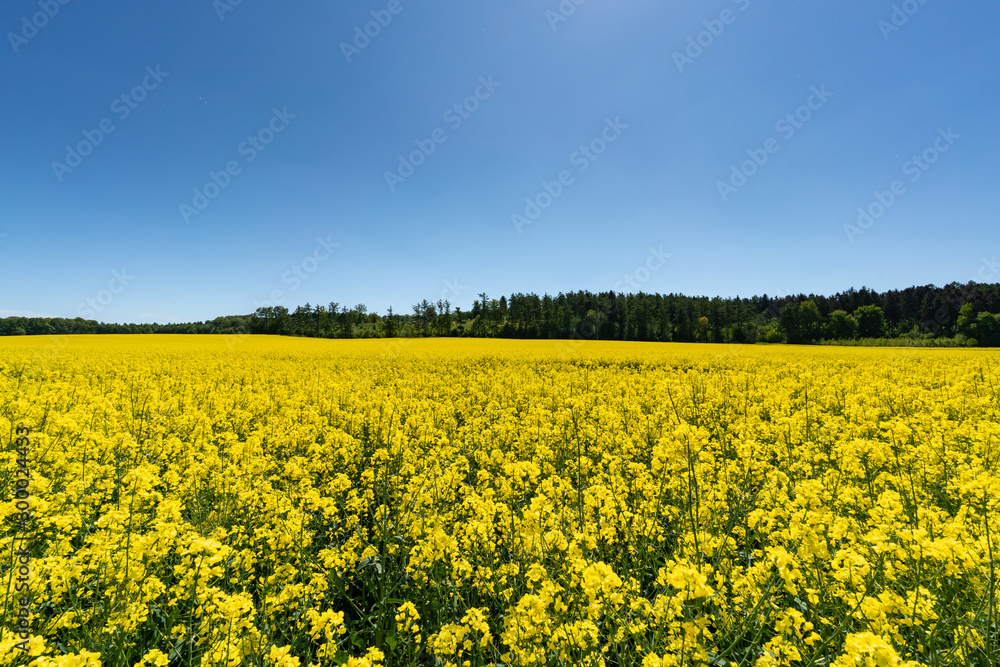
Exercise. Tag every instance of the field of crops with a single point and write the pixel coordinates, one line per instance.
(273, 501)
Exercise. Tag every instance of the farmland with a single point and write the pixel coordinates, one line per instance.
(252, 500)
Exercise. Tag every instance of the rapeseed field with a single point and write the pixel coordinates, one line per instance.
(224, 501)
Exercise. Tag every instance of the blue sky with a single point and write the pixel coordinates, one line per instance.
(178, 161)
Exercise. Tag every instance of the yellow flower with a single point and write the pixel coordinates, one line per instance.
(154, 658)
(281, 657)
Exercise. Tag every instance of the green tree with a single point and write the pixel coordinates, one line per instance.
(772, 334)
(701, 331)
(788, 317)
(809, 320)
(871, 322)
(391, 328)
(424, 315)
(966, 320)
(987, 329)
(842, 326)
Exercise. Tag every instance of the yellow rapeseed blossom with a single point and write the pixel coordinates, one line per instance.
(154, 658)
(230, 500)
(281, 657)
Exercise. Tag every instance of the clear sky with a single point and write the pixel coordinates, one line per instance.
(181, 160)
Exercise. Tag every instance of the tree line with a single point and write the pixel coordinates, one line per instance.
(955, 314)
